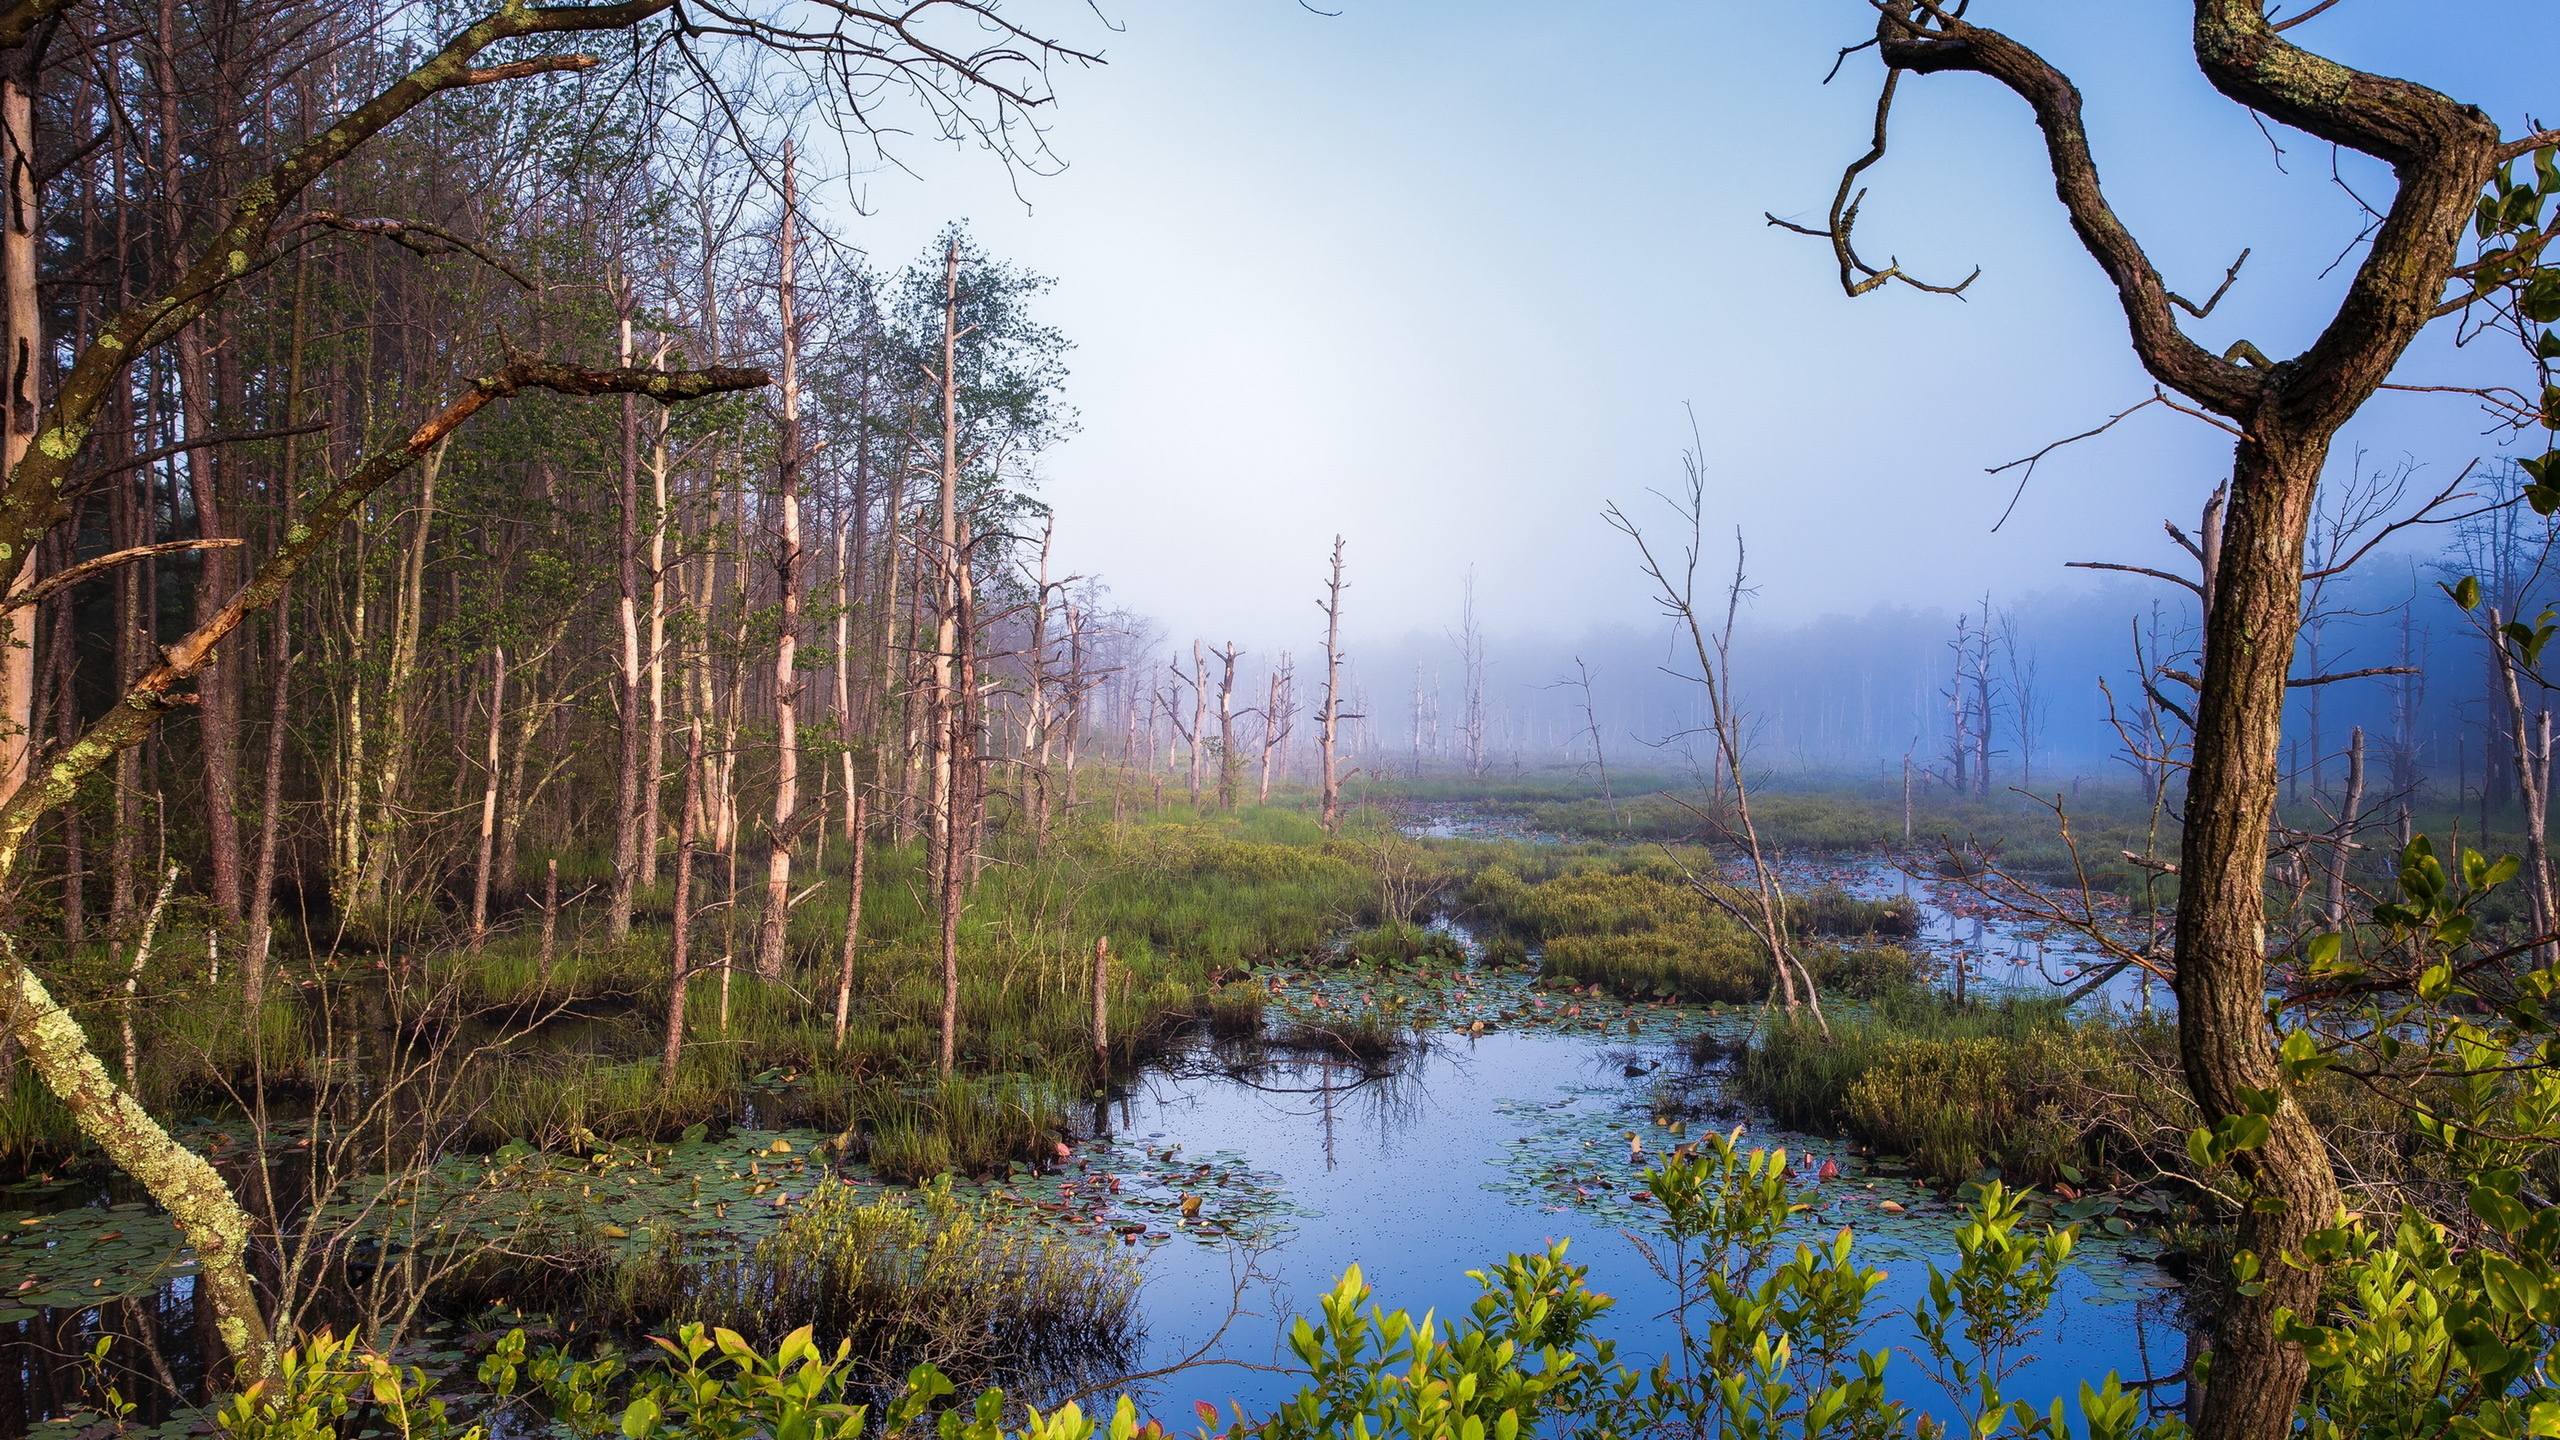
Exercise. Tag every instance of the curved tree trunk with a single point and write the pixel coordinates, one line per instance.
(2223, 1035)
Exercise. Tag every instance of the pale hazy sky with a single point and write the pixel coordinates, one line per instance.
(1440, 274)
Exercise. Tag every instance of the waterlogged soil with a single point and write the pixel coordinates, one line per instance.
(2000, 942)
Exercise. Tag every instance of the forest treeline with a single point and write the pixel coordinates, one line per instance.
(1847, 697)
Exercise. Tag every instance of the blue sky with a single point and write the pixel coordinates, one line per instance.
(1441, 276)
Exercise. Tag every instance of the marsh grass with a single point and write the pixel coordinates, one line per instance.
(33, 1124)
(1363, 1037)
(1399, 942)
(1837, 816)
(194, 1044)
(2019, 1086)
(1234, 1010)
(923, 1277)
(969, 1125)
(1634, 925)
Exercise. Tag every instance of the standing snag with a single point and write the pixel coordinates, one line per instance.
(1330, 715)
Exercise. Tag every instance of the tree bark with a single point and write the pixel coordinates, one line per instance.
(1329, 727)
(680, 960)
(489, 799)
(2224, 1040)
(772, 937)
(632, 732)
(22, 333)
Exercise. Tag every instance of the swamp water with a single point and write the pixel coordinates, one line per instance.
(1481, 1145)
(1238, 1181)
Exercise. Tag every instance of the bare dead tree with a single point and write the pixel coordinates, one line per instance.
(1230, 760)
(1469, 638)
(1581, 682)
(2404, 772)
(1676, 593)
(1197, 683)
(1279, 714)
(2529, 745)
(1330, 717)
(2342, 831)
(1971, 711)
(2026, 705)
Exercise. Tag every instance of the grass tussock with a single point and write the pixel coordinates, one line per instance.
(1235, 1009)
(1399, 942)
(924, 1277)
(1637, 927)
(2019, 1086)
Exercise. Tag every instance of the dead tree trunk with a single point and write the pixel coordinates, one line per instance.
(2530, 743)
(1591, 728)
(1229, 761)
(1329, 723)
(1199, 715)
(1676, 592)
(1470, 640)
(945, 732)
(2342, 836)
(22, 332)
(1279, 713)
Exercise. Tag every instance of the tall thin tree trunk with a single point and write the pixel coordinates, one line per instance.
(633, 727)
(860, 819)
(680, 967)
(489, 799)
(21, 330)
(770, 942)
(947, 823)
(262, 876)
(653, 769)
(844, 680)
(1330, 726)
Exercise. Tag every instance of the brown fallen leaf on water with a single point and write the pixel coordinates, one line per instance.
(1890, 1207)
(1190, 1207)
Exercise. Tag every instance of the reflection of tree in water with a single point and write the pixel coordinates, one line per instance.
(2169, 1336)
(1386, 1089)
